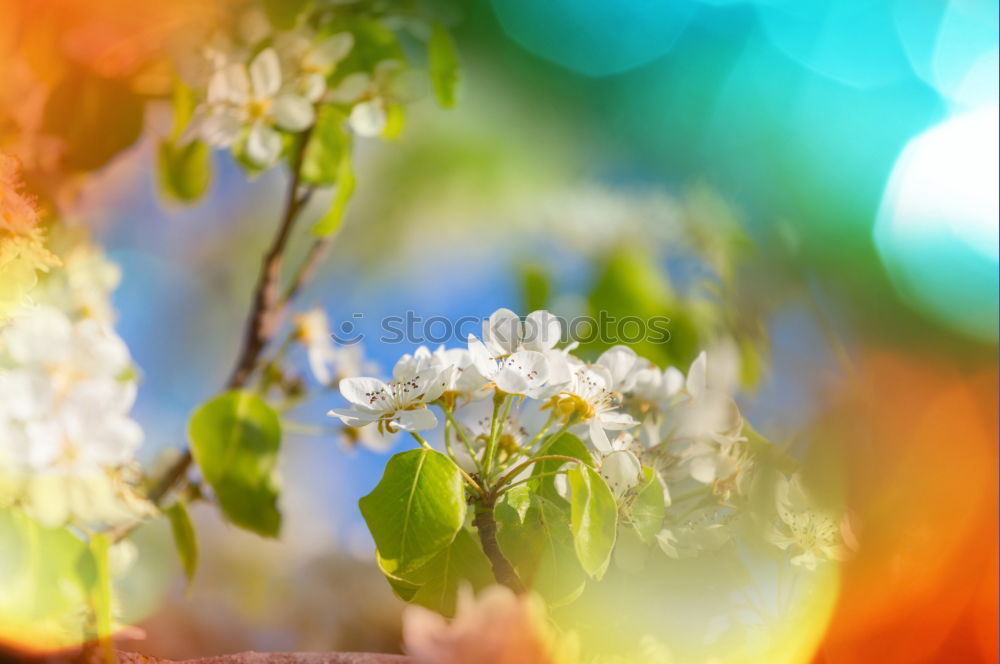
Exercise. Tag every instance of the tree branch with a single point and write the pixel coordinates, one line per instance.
(486, 526)
(266, 311)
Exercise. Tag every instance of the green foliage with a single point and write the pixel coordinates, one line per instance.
(443, 63)
(648, 508)
(416, 509)
(95, 117)
(185, 539)
(284, 14)
(536, 286)
(539, 543)
(235, 439)
(594, 519)
(373, 43)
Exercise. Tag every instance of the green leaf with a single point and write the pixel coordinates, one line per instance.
(416, 509)
(594, 519)
(96, 118)
(330, 222)
(648, 508)
(401, 588)
(235, 439)
(328, 143)
(767, 453)
(284, 14)
(443, 63)
(514, 505)
(461, 563)
(184, 538)
(395, 121)
(540, 546)
(184, 170)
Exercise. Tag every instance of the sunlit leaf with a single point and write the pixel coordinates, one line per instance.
(594, 519)
(416, 509)
(235, 439)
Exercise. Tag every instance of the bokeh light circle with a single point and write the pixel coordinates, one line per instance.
(937, 230)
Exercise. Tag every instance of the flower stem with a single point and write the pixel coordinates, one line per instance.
(491, 444)
(517, 469)
(449, 417)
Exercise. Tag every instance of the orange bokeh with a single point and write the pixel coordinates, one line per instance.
(919, 449)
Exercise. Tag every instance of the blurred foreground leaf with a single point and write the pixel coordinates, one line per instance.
(235, 439)
(416, 509)
(95, 117)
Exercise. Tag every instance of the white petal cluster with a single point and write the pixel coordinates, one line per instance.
(66, 389)
(811, 534)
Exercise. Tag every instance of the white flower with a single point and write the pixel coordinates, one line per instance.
(707, 414)
(620, 467)
(652, 385)
(504, 334)
(400, 404)
(66, 388)
(250, 99)
(311, 60)
(815, 535)
(524, 372)
(372, 95)
(623, 365)
(589, 398)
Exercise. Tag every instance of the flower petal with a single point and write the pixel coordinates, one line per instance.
(481, 358)
(265, 74)
(697, 376)
(542, 331)
(292, 112)
(420, 419)
(502, 332)
(368, 393)
(368, 118)
(263, 145)
(353, 418)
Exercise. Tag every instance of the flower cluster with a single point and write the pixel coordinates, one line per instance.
(67, 384)
(262, 83)
(515, 390)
